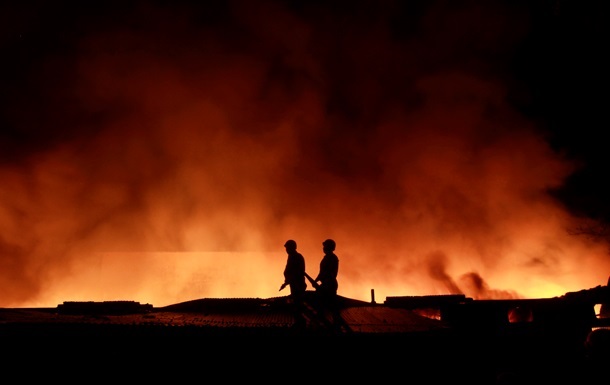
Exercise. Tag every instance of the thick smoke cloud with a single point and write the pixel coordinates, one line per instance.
(164, 153)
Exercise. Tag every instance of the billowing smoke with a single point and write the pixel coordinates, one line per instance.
(165, 153)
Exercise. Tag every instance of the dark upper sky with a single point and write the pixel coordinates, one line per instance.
(555, 63)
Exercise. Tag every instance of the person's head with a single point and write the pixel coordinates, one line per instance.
(290, 245)
(328, 245)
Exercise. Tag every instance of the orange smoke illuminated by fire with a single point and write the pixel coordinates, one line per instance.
(189, 156)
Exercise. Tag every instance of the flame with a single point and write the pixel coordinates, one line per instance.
(175, 159)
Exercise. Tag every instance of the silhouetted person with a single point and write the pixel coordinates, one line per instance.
(294, 276)
(329, 268)
(328, 284)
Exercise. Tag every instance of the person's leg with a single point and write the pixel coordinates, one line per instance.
(297, 308)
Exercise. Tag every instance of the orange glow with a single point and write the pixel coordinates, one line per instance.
(201, 163)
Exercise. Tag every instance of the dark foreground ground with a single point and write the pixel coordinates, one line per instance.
(253, 341)
(123, 353)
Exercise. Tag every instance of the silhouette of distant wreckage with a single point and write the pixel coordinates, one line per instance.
(105, 307)
(573, 315)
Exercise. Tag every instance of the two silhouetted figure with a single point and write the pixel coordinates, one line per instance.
(326, 284)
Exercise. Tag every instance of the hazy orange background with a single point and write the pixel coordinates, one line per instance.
(189, 152)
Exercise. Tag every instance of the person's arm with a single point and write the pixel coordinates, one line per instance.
(322, 272)
(286, 274)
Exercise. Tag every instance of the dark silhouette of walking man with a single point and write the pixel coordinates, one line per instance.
(328, 284)
(294, 276)
(329, 268)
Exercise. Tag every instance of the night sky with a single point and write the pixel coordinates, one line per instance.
(230, 126)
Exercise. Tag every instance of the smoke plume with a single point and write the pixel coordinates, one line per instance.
(165, 153)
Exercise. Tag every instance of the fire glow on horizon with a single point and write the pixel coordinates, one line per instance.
(181, 171)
